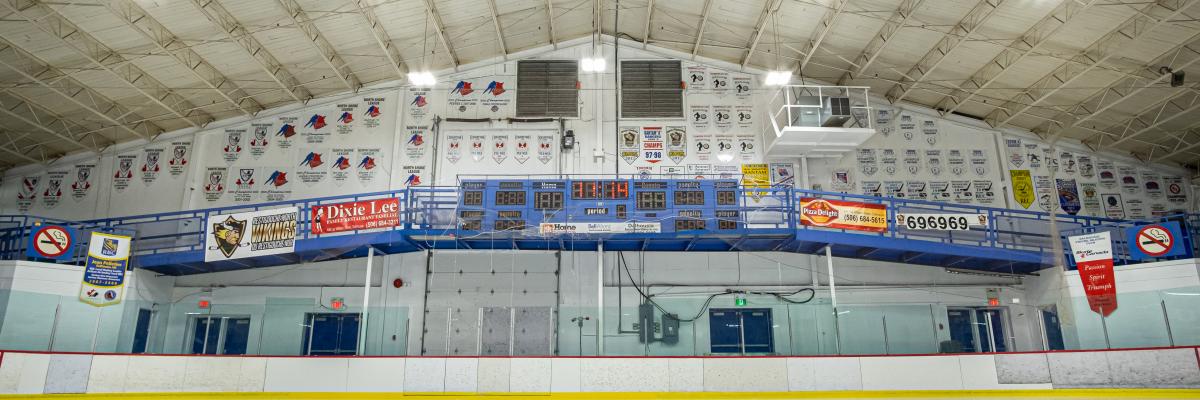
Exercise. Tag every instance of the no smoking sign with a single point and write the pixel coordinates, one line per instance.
(51, 242)
(1155, 241)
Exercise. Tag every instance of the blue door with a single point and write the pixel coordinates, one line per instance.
(141, 331)
(331, 334)
(737, 331)
(1054, 336)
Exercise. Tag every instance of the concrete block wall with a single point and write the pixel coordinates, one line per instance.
(35, 373)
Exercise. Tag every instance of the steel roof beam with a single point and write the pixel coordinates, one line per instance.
(51, 22)
(550, 23)
(824, 27)
(703, 23)
(768, 12)
(1018, 50)
(238, 34)
(37, 71)
(891, 26)
(12, 149)
(499, 29)
(329, 54)
(42, 119)
(441, 31)
(383, 40)
(139, 20)
(1133, 29)
(646, 27)
(957, 35)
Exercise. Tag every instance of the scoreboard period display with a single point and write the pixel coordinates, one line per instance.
(678, 205)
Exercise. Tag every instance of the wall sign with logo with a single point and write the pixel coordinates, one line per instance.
(367, 214)
(1094, 259)
(1160, 240)
(104, 275)
(599, 227)
(250, 234)
(840, 214)
(940, 222)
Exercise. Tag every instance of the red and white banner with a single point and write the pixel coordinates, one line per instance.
(366, 214)
(840, 214)
(1094, 259)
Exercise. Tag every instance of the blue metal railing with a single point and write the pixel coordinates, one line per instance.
(15, 231)
(1189, 223)
(434, 209)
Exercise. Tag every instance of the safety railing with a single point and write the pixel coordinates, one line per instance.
(1122, 249)
(435, 208)
(813, 106)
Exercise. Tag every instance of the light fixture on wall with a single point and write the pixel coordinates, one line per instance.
(593, 64)
(778, 78)
(421, 79)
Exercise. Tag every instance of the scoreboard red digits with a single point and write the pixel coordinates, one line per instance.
(599, 190)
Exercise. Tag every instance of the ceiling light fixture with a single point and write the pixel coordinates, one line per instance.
(778, 78)
(421, 79)
(593, 64)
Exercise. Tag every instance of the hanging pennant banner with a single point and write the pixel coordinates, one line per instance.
(1022, 183)
(1016, 152)
(477, 147)
(939, 191)
(453, 148)
(259, 142)
(343, 164)
(233, 144)
(839, 214)
(1094, 259)
(214, 185)
(722, 117)
(1086, 168)
(783, 175)
(1150, 181)
(929, 127)
(743, 85)
(179, 158)
(1044, 188)
(703, 146)
(912, 161)
(1175, 193)
(1034, 155)
(312, 168)
(414, 146)
(676, 143)
(83, 181)
(872, 188)
(1108, 174)
(956, 162)
(1113, 206)
(53, 193)
(521, 150)
(700, 118)
(369, 164)
(124, 173)
(1067, 160)
(631, 147)
(915, 190)
(888, 161)
(979, 162)
(867, 162)
(652, 144)
(499, 148)
(744, 117)
(746, 147)
(285, 136)
(545, 148)
(842, 180)
(150, 165)
(907, 126)
(104, 276)
(1050, 159)
(278, 185)
(718, 81)
(725, 148)
(697, 77)
(1090, 198)
(883, 121)
(933, 160)
(1129, 179)
(1068, 196)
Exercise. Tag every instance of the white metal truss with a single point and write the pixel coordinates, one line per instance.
(1137, 26)
(1018, 50)
(44, 120)
(703, 23)
(645, 29)
(1183, 146)
(238, 34)
(12, 149)
(550, 23)
(822, 31)
(768, 13)
(1176, 108)
(139, 20)
(37, 71)
(441, 31)
(329, 54)
(967, 26)
(891, 27)
(499, 29)
(49, 21)
(1125, 88)
(383, 40)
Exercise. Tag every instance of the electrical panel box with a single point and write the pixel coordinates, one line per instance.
(670, 329)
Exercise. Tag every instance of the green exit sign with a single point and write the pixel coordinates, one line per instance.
(740, 301)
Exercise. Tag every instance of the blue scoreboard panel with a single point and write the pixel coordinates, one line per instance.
(679, 205)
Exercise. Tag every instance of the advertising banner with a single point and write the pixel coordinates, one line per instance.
(843, 214)
(940, 222)
(251, 234)
(104, 275)
(600, 227)
(366, 214)
(1094, 259)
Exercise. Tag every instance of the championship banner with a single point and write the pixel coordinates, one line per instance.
(251, 234)
(1023, 191)
(104, 276)
(600, 227)
(756, 176)
(1094, 259)
(366, 214)
(839, 214)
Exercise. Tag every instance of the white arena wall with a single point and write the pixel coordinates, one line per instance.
(36, 373)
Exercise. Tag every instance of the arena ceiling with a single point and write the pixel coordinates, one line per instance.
(82, 75)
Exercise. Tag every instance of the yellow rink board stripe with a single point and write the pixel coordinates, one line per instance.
(906, 394)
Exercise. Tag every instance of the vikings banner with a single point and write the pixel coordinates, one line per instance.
(1094, 258)
(250, 234)
(676, 143)
(104, 276)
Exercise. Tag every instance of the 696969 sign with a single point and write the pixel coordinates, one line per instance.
(940, 222)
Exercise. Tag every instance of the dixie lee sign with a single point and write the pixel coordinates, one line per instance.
(366, 214)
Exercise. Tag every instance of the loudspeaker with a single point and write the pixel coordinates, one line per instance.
(1177, 79)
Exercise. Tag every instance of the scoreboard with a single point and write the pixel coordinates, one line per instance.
(678, 205)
